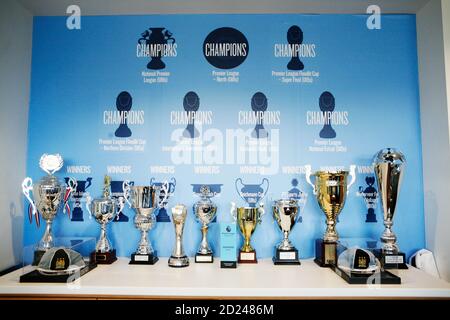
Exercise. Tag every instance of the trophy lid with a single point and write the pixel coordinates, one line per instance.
(288, 202)
(49, 181)
(389, 155)
(51, 163)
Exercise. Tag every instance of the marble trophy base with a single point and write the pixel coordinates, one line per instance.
(105, 257)
(204, 258)
(325, 253)
(286, 257)
(137, 258)
(178, 262)
(247, 257)
(391, 261)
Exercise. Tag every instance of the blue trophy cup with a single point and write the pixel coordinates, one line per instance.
(162, 211)
(259, 105)
(295, 37)
(370, 196)
(82, 185)
(154, 38)
(123, 104)
(191, 103)
(326, 104)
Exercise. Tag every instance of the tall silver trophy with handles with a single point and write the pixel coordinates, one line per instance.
(49, 193)
(179, 259)
(205, 211)
(389, 165)
(145, 200)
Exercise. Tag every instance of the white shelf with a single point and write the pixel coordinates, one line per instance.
(209, 280)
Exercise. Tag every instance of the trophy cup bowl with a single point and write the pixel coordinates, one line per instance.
(247, 219)
(389, 165)
(178, 259)
(330, 188)
(104, 211)
(286, 213)
(143, 201)
(205, 211)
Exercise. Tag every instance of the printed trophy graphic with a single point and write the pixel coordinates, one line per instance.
(78, 195)
(326, 104)
(191, 103)
(259, 105)
(250, 216)
(295, 38)
(48, 193)
(370, 196)
(162, 212)
(157, 37)
(118, 196)
(123, 104)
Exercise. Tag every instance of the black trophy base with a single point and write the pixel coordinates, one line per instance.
(391, 261)
(247, 257)
(105, 257)
(382, 277)
(228, 264)
(325, 253)
(204, 258)
(144, 258)
(286, 257)
(38, 277)
(37, 257)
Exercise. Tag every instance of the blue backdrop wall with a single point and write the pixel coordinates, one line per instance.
(84, 80)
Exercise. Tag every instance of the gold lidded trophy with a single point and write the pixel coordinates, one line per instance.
(330, 188)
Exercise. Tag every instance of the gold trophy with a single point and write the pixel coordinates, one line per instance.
(247, 218)
(330, 189)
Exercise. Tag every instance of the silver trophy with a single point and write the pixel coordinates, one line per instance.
(145, 200)
(205, 211)
(104, 210)
(48, 195)
(389, 165)
(286, 213)
(178, 258)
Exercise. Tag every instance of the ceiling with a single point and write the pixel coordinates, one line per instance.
(133, 7)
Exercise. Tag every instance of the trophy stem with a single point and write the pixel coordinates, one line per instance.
(331, 234)
(285, 243)
(103, 243)
(47, 239)
(204, 246)
(145, 246)
(389, 239)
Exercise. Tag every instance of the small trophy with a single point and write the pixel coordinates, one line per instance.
(205, 211)
(48, 194)
(78, 195)
(370, 196)
(286, 213)
(330, 189)
(104, 211)
(144, 200)
(247, 218)
(179, 259)
(389, 165)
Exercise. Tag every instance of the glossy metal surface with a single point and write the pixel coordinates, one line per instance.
(205, 211)
(285, 213)
(178, 257)
(247, 219)
(389, 165)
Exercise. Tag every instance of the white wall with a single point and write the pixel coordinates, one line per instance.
(435, 130)
(15, 65)
(446, 37)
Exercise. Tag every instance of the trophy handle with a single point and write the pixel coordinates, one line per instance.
(237, 189)
(172, 185)
(261, 211)
(152, 181)
(267, 189)
(121, 203)
(70, 189)
(352, 175)
(308, 173)
(27, 186)
(89, 182)
(88, 204)
(164, 187)
(233, 211)
(126, 192)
